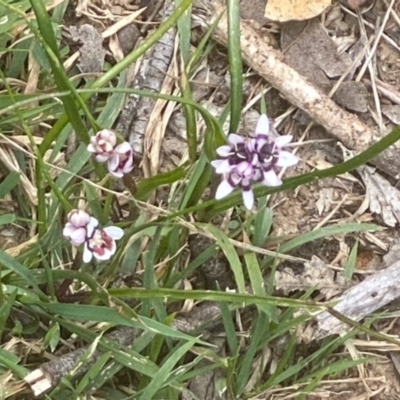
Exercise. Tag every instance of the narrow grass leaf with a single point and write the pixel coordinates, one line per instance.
(5, 309)
(7, 219)
(10, 361)
(230, 330)
(235, 63)
(262, 226)
(211, 295)
(9, 183)
(230, 253)
(351, 262)
(257, 336)
(80, 312)
(147, 185)
(338, 229)
(162, 375)
(12, 264)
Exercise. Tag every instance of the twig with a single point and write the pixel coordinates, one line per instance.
(269, 64)
(362, 300)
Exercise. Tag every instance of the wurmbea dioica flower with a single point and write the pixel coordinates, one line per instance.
(122, 161)
(244, 162)
(104, 147)
(81, 228)
(76, 227)
(101, 243)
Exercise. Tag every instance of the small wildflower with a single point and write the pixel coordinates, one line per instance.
(81, 228)
(256, 160)
(75, 229)
(122, 161)
(101, 243)
(104, 147)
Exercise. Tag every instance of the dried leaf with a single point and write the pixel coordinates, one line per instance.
(92, 53)
(384, 199)
(299, 10)
(315, 274)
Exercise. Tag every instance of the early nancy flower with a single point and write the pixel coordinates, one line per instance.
(270, 153)
(102, 145)
(122, 160)
(231, 154)
(101, 243)
(257, 160)
(119, 158)
(75, 229)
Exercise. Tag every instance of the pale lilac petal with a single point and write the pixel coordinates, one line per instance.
(114, 232)
(271, 179)
(234, 139)
(284, 140)
(78, 218)
(113, 162)
(91, 148)
(221, 166)
(92, 225)
(102, 157)
(263, 125)
(123, 148)
(244, 169)
(87, 254)
(78, 237)
(248, 199)
(224, 151)
(68, 229)
(286, 159)
(128, 165)
(223, 189)
(108, 136)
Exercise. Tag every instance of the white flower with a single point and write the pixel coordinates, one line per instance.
(122, 160)
(244, 163)
(119, 158)
(75, 230)
(102, 145)
(101, 243)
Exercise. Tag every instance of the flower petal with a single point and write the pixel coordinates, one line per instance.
(113, 163)
(114, 232)
(68, 229)
(284, 140)
(78, 237)
(123, 148)
(248, 199)
(87, 254)
(221, 166)
(91, 226)
(223, 190)
(271, 179)
(102, 157)
(234, 138)
(286, 159)
(263, 125)
(224, 151)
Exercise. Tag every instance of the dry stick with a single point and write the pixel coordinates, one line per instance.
(49, 374)
(362, 300)
(269, 64)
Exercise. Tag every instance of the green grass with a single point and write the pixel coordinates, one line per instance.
(163, 361)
